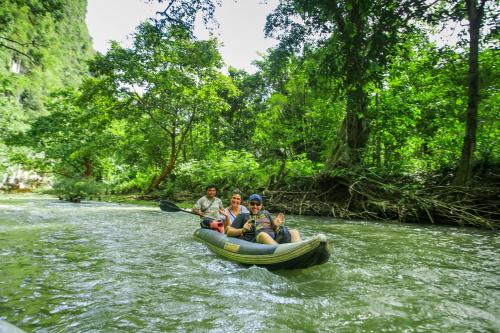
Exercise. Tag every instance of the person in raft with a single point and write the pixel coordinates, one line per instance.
(234, 210)
(259, 226)
(208, 207)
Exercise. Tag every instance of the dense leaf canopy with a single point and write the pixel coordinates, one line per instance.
(353, 84)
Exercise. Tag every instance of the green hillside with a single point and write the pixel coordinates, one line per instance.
(43, 47)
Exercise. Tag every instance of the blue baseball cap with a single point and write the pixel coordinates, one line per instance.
(255, 197)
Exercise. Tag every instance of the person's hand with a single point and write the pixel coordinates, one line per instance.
(247, 226)
(279, 219)
(223, 212)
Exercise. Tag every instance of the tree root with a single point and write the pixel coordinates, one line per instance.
(363, 197)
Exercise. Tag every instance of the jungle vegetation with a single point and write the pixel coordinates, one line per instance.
(43, 48)
(357, 113)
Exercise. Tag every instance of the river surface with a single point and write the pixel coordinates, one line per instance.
(103, 267)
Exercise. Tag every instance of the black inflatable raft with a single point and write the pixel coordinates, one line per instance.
(305, 254)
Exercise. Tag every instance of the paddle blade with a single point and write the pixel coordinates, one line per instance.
(169, 206)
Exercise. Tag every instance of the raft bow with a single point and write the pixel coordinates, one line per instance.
(304, 254)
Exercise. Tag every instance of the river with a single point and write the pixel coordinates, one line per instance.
(106, 267)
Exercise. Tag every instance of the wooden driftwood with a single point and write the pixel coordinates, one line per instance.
(382, 199)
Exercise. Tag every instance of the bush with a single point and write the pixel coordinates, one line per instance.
(232, 170)
(139, 182)
(77, 189)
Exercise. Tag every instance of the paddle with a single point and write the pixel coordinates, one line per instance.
(168, 206)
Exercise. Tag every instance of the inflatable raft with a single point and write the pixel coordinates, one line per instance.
(305, 254)
(5, 327)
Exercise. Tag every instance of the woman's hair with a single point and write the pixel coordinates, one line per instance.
(237, 191)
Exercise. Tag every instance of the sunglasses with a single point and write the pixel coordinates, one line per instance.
(253, 203)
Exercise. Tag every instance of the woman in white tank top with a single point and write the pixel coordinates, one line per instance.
(232, 211)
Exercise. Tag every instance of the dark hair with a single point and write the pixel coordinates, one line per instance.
(210, 186)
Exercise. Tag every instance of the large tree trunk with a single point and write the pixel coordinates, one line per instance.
(353, 134)
(464, 170)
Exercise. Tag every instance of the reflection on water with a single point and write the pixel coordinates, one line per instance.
(104, 267)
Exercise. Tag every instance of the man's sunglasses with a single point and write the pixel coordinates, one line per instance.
(253, 203)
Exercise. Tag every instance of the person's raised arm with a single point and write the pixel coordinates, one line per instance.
(278, 221)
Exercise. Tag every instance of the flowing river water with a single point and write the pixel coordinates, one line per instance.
(104, 267)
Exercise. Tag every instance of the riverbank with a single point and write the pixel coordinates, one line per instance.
(370, 197)
(362, 196)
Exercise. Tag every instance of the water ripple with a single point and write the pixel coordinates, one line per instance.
(99, 267)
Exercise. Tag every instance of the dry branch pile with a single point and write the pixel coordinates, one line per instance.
(370, 197)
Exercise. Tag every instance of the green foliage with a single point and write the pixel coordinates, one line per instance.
(356, 39)
(130, 182)
(48, 42)
(417, 116)
(161, 116)
(235, 126)
(52, 45)
(228, 170)
(488, 145)
(299, 116)
(159, 89)
(237, 169)
(71, 141)
(301, 167)
(77, 189)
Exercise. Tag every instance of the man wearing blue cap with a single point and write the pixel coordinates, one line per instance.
(259, 226)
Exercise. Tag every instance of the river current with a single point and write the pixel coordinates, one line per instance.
(105, 267)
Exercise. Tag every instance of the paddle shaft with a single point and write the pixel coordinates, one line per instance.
(171, 207)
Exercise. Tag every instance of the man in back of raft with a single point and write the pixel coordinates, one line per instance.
(259, 226)
(208, 206)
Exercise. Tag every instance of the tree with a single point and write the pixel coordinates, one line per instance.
(183, 12)
(299, 111)
(39, 9)
(475, 16)
(164, 85)
(414, 117)
(70, 141)
(356, 38)
(43, 48)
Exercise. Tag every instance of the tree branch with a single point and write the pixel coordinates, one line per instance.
(17, 51)
(338, 17)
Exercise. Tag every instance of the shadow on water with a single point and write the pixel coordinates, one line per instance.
(109, 267)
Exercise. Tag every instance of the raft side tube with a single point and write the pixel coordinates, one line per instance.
(6, 327)
(304, 254)
(233, 244)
